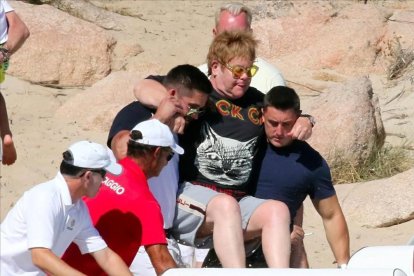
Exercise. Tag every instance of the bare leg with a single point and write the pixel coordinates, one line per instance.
(223, 218)
(298, 257)
(9, 151)
(272, 220)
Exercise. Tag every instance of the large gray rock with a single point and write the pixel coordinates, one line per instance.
(379, 203)
(87, 11)
(62, 50)
(95, 108)
(344, 38)
(349, 124)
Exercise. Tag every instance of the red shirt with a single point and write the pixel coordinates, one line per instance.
(126, 215)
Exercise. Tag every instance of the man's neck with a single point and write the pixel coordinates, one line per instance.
(143, 164)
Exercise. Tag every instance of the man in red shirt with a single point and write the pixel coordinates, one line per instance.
(125, 212)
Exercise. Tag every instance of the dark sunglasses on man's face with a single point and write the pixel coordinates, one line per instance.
(238, 70)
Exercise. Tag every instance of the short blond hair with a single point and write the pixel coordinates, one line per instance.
(235, 9)
(230, 44)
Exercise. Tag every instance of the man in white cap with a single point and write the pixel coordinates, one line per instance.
(125, 212)
(40, 227)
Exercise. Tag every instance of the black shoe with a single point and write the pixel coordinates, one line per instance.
(255, 260)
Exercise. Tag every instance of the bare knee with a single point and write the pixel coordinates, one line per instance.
(274, 212)
(223, 206)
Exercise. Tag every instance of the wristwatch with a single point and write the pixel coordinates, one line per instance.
(310, 117)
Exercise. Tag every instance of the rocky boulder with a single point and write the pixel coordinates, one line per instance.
(349, 124)
(62, 50)
(96, 107)
(379, 203)
(323, 36)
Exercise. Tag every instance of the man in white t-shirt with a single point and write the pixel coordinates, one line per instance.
(236, 16)
(13, 33)
(47, 218)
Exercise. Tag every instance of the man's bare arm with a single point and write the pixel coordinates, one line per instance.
(17, 32)
(51, 264)
(160, 258)
(149, 92)
(298, 257)
(336, 228)
(111, 263)
(119, 144)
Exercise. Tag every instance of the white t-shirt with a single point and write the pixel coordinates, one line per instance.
(46, 217)
(266, 78)
(4, 8)
(164, 188)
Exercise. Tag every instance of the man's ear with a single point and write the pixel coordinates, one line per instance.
(215, 32)
(157, 153)
(86, 177)
(171, 91)
(262, 114)
(215, 66)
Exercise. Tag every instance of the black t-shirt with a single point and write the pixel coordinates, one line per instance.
(127, 118)
(220, 146)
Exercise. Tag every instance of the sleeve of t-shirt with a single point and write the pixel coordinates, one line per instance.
(41, 218)
(130, 115)
(88, 240)
(127, 118)
(152, 225)
(322, 182)
(6, 6)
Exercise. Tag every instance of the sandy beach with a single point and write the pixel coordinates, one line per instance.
(170, 33)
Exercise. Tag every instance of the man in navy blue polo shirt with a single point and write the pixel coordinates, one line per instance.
(291, 169)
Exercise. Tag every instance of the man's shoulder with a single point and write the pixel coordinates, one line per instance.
(267, 77)
(310, 156)
(306, 148)
(203, 68)
(129, 116)
(269, 67)
(46, 188)
(253, 96)
(6, 6)
(134, 107)
(131, 175)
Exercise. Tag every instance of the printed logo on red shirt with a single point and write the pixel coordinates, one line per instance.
(111, 184)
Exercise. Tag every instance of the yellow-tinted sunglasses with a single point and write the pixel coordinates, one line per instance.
(238, 70)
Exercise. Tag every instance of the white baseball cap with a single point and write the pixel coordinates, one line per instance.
(155, 133)
(91, 155)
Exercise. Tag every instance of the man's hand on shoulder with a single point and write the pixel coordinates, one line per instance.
(302, 130)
